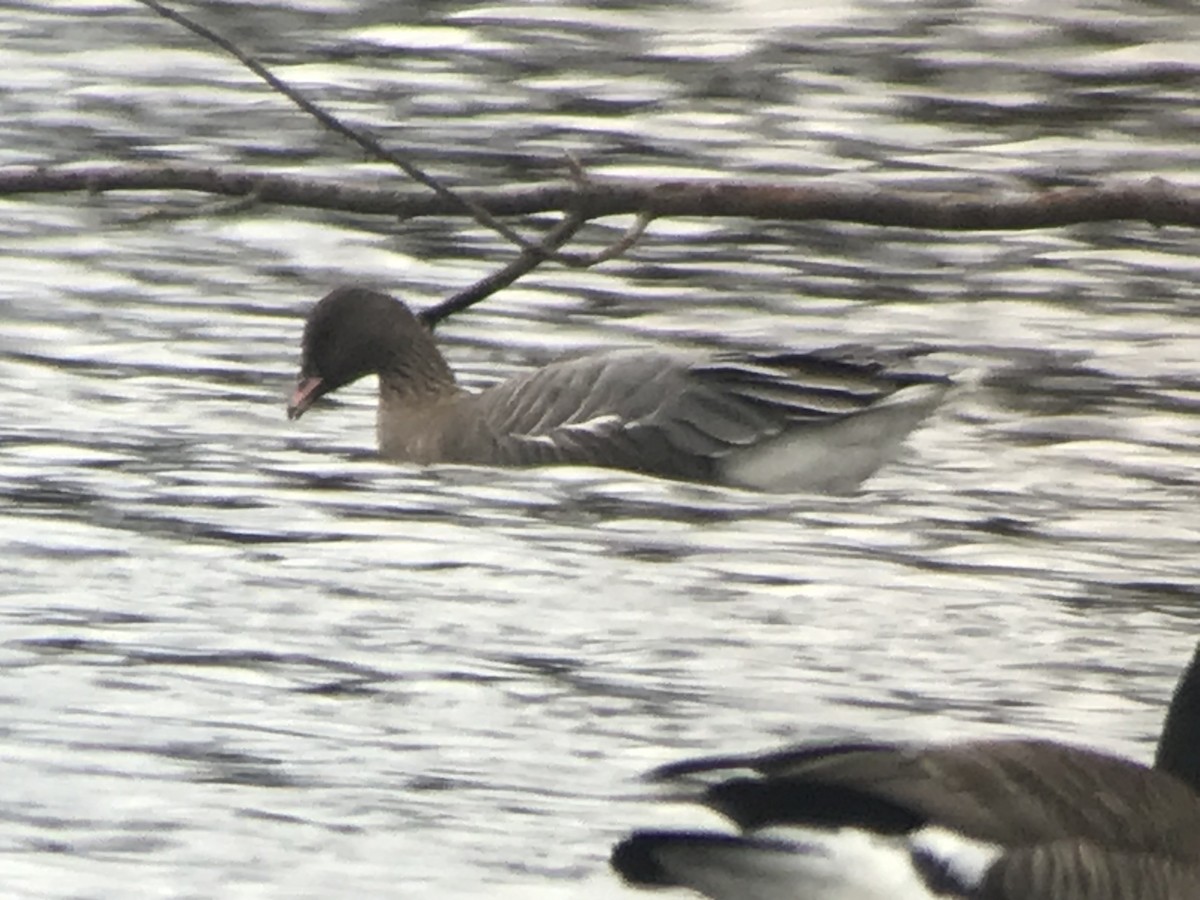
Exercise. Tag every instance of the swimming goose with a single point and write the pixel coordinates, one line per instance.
(822, 420)
(980, 820)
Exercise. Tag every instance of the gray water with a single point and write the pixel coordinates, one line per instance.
(244, 659)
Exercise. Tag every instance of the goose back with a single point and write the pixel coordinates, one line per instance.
(674, 414)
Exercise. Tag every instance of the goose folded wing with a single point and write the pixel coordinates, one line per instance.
(655, 411)
(1009, 792)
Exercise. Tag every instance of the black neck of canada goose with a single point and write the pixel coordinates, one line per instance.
(1179, 745)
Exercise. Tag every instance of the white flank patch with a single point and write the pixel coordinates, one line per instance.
(965, 859)
(837, 456)
(801, 864)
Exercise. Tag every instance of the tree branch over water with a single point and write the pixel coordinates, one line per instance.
(584, 197)
(1154, 201)
(364, 140)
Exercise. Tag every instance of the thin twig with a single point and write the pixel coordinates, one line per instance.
(631, 236)
(579, 177)
(485, 287)
(363, 139)
(229, 207)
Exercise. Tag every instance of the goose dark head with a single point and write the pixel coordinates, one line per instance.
(355, 331)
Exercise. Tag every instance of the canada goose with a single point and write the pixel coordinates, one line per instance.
(823, 420)
(979, 820)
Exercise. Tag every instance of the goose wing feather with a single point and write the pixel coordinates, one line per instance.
(1010, 792)
(655, 410)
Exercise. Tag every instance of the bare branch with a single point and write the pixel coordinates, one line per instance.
(363, 139)
(631, 236)
(526, 262)
(1156, 201)
(230, 207)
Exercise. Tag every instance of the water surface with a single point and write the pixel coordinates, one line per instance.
(245, 659)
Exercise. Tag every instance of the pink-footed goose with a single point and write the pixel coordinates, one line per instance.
(980, 820)
(821, 420)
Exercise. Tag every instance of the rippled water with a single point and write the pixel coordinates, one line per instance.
(244, 659)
